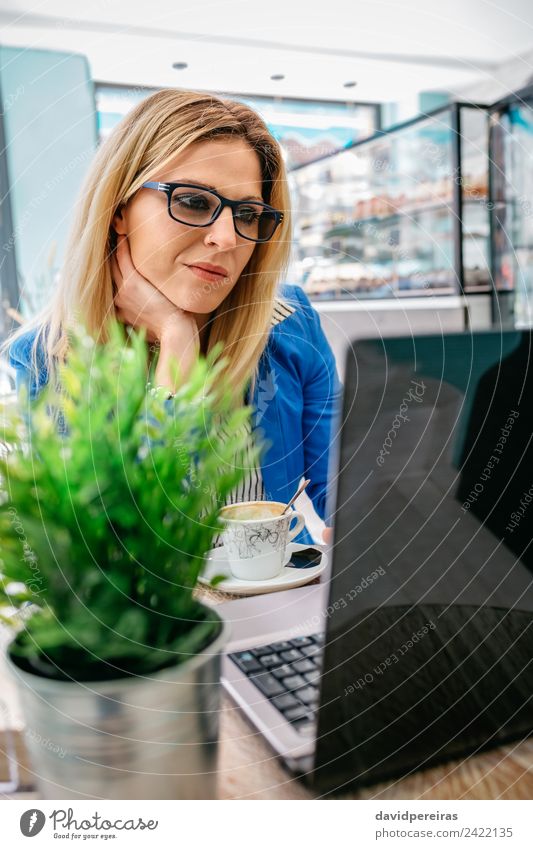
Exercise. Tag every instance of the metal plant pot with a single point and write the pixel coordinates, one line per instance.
(152, 737)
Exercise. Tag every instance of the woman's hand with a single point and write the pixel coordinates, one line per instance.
(327, 535)
(139, 304)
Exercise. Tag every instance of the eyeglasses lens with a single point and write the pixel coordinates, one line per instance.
(198, 208)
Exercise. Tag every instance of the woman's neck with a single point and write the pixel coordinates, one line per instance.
(204, 327)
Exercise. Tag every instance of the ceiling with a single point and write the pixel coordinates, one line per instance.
(392, 49)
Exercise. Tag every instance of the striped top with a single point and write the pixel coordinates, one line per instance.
(251, 488)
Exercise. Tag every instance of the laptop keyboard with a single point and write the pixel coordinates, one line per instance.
(288, 674)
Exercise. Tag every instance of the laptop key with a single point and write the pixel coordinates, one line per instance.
(300, 641)
(246, 662)
(285, 701)
(269, 660)
(259, 652)
(284, 646)
(293, 682)
(248, 666)
(300, 712)
(292, 654)
(268, 685)
(308, 695)
(305, 665)
(312, 677)
(282, 671)
(311, 651)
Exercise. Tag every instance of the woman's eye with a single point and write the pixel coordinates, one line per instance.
(248, 215)
(191, 201)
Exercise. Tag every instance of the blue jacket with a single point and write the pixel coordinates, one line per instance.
(296, 398)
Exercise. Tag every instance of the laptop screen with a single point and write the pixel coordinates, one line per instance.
(432, 558)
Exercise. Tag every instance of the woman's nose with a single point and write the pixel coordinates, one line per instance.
(222, 231)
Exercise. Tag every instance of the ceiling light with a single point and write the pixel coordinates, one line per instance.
(180, 66)
(350, 84)
(277, 77)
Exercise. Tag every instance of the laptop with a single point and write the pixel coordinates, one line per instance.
(420, 647)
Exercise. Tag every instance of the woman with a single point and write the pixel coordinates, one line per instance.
(183, 228)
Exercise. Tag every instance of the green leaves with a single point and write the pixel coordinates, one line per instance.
(109, 509)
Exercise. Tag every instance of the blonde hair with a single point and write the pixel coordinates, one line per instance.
(143, 143)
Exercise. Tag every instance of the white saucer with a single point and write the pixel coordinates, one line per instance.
(289, 577)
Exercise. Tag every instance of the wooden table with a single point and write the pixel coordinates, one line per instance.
(248, 769)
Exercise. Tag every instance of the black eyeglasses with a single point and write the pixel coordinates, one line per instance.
(199, 207)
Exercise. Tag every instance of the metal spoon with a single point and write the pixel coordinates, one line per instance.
(294, 497)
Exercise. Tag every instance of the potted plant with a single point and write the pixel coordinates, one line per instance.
(109, 500)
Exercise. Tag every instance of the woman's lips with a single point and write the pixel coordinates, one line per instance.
(203, 274)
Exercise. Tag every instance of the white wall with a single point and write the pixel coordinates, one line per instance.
(509, 76)
(344, 321)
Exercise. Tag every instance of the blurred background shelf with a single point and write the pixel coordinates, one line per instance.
(511, 184)
(399, 214)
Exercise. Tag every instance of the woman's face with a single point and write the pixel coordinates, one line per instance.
(167, 253)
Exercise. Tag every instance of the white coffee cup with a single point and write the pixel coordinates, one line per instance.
(256, 536)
